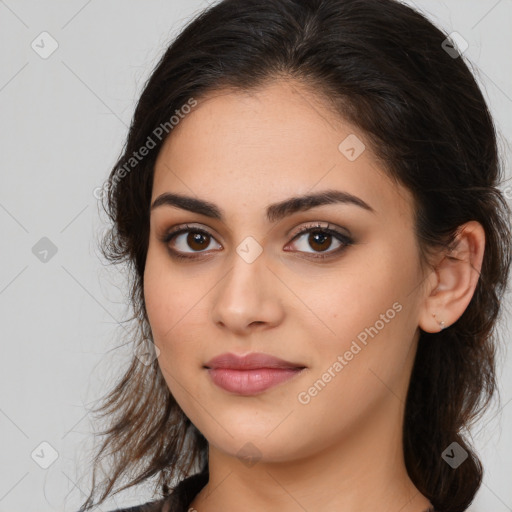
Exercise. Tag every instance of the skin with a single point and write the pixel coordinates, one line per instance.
(343, 449)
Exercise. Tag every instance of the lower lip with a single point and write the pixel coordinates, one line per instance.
(250, 382)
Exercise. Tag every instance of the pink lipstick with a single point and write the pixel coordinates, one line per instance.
(250, 374)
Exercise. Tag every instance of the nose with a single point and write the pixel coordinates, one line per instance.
(248, 298)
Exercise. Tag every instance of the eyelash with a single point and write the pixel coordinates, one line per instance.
(317, 228)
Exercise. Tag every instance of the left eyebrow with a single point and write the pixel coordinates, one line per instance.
(275, 211)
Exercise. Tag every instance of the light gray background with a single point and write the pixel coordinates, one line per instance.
(63, 123)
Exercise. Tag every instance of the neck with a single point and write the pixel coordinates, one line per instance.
(363, 471)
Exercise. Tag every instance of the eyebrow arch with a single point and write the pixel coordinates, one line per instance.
(275, 211)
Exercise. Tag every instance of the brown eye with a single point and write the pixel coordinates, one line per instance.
(188, 240)
(321, 239)
(197, 241)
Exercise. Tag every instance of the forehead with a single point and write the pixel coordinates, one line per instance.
(281, 140)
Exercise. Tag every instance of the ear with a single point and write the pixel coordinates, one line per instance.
(453, 280)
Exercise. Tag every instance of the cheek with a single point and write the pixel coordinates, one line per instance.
(168, 298)
(175, 307)
(368, 313)
(169, 315)
(162, 307)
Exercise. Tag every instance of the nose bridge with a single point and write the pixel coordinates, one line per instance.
(245, 280)
(245, 295)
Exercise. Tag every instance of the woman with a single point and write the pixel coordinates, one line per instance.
(308, 200)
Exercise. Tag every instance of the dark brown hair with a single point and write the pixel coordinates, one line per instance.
(383, 67)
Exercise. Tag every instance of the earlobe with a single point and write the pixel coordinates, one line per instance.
(457, 275)
(441, 323)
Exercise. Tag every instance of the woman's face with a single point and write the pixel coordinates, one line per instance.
(250, 283)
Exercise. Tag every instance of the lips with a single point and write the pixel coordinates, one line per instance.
(251, 361)
(250, 374)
